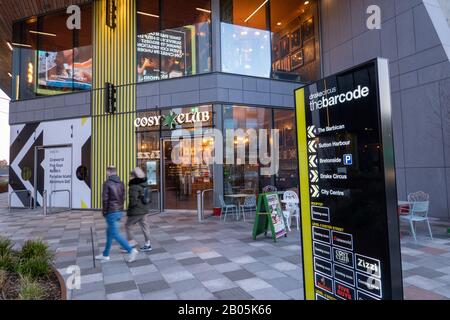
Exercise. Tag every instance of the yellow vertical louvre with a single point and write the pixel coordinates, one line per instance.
(113, 136)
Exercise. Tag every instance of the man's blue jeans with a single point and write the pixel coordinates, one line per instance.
(112, 232)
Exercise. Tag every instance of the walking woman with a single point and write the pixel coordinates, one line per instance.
(138, 207)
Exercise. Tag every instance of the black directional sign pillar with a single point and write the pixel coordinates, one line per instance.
(350, 232)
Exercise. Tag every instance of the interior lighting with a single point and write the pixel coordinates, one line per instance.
(254, 12)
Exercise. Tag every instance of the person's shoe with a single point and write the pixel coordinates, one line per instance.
(133, 255)
(146, 248)
(102, 258)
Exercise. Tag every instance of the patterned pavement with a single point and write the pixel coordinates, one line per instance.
(208, 260)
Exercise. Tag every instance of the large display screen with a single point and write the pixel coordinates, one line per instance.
(245, 50)
(350, 238)
(162, 55)
(64, 70)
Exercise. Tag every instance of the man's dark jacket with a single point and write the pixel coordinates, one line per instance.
(113, 195)
(136, 192)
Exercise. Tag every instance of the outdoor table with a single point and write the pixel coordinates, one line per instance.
(238, 198)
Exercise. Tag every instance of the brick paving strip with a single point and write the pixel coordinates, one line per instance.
(208, 260)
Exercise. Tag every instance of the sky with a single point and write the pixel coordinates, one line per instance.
(4, 126)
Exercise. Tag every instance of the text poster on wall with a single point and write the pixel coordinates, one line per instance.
(350, 235)
(58, 174)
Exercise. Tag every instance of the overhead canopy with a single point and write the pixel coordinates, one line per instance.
(12, 10)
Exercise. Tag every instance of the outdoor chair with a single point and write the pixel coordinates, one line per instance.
(249, 205)
(225, 207)
(419, 206)
(291, 201)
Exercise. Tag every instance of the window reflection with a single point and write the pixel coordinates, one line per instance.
(295, 40)
(284, 120)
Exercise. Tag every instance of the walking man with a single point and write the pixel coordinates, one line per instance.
(113, 198)
(139, 203)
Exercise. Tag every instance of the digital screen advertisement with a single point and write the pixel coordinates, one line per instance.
(64, 70)
(167, 48)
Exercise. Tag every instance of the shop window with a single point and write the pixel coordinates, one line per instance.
(49, 58)
(24, 59)
(245, 37)
(287, 176)
(173, 43)
(295, 40)
(244, 174)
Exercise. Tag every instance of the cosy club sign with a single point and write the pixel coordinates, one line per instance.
(172, 119)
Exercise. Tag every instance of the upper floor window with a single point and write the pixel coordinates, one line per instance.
(49, 58)
(271, 38)
(295, 40)
(173, 38)
(245, 37)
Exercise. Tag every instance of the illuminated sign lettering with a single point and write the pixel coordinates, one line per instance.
(172, 119)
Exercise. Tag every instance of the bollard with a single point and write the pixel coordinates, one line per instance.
(199, 206)
(44, 202)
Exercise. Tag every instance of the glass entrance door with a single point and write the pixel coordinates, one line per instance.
(184, 176)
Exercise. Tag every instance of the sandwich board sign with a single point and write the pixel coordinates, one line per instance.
(271, 219)
(350, 230)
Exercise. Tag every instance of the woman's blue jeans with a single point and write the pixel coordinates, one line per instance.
(112, 233)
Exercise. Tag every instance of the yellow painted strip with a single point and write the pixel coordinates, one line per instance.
(304, 193)
(115, 61)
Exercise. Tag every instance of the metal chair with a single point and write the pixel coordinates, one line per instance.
(419, 207)
(249, 204)
(226, 207)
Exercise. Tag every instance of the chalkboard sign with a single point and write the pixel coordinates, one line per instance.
(350, 238)
(271, 218)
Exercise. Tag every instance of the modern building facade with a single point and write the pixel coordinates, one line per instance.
(226, 64)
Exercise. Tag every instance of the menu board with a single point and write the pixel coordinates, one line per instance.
(269, 217)
(276, 215)
(350, 238)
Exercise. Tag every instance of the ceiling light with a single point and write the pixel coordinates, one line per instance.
(9, 46)
(9, 74)
(148, 14)
(306, 3)
(43, 33)
(254, 12)
(203, 10)
(278, 23)
(21, 45)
